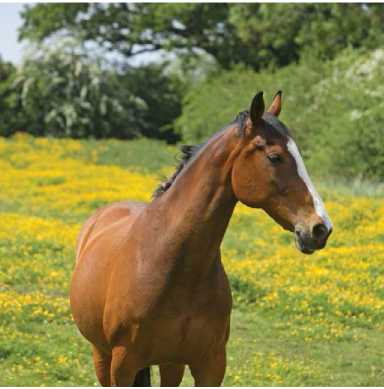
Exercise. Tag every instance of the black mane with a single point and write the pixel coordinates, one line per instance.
(240, 120)
(187, 152)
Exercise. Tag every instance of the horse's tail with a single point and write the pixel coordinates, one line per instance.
(143, 377)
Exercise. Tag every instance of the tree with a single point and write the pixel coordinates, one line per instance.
(282, 33)
(162, 94)
(257, 35)
(8, 99)
(61, 90)
(133, 29)
(334, 109)
(65, 93)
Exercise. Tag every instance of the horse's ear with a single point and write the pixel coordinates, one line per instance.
(257, 108)
(275, 107)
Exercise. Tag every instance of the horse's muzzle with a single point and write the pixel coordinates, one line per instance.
(312, 239)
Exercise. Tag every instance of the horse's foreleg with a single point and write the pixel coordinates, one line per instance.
(171, 374)
(123, 367)
(102, 363)
(210, 371)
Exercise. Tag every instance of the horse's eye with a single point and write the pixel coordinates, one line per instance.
(275, 158)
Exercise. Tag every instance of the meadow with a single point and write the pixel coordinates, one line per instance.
(297, 321)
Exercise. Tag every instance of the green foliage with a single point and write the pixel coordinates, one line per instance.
(8, 116)
(332, 102)
(162, 94)
(335, 109)
(63, 91)
(215, 103)
(348, 112)
(281, 33)
(258, 35)
(133, 29)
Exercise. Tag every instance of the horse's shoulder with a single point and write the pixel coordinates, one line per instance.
(104, 218)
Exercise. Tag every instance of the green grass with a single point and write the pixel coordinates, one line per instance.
(40, 345)
(256, 342)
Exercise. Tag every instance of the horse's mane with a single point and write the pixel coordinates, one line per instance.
(189, 151)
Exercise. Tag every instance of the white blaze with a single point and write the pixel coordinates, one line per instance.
(302, 172)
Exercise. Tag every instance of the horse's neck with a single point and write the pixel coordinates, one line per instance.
(200, 202)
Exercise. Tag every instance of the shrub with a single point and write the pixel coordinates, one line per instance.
(335, 109)
(62, 90)
(8, 115)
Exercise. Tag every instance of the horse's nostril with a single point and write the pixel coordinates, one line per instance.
(320, 231)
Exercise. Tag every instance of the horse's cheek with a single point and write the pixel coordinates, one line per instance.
(248, 183)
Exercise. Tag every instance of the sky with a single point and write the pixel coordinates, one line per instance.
(10, 21)
(12, 50)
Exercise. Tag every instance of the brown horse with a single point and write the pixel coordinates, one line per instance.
(149, 287)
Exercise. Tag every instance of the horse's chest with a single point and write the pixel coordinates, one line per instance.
(175, 319)
(186, 336)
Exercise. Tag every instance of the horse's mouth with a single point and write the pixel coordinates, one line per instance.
(304, 247)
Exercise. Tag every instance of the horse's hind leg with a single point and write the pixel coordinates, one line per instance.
(171, 374)
(102, 364)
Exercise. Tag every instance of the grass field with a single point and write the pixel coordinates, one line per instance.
(298, 320)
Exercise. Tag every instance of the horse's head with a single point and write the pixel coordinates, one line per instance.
(269, 173)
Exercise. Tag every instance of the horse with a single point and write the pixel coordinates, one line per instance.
(149, 287)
